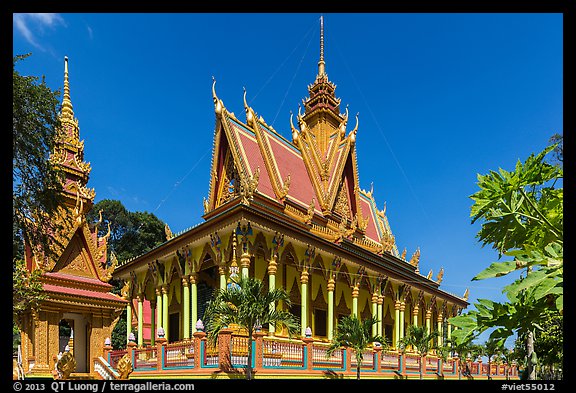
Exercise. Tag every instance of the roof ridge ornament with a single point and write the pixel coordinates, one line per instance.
(218, 105)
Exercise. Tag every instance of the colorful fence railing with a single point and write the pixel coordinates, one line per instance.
(272, 355)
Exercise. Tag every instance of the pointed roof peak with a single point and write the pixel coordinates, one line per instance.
(321, 63)
(67, 110)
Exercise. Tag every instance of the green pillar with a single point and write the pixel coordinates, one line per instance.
(159, 321)
(355, 293)
(304, 297)
(128, 319)
(165, 310)
(194, 290)
(222, 272)
(449, 331)
(331, 285)
(272, 266)
(402, 306)
(428, 317)
(415, 316)
(140, 320)
(375, 313)
(440, 332)
(381, 315)
(186, 311)
(245, 264)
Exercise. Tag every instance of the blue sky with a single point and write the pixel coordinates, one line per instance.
(441, 98)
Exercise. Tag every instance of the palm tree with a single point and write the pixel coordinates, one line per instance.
(246, 303)
(357, 335)
(421, 341)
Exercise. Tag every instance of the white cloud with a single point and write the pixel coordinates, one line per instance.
(30, 25)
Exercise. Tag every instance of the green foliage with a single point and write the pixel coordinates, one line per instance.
(36, 182)
(522, 217)
(27, 291)
(247, 305)
(356, 335)
(418, 338)
(131, 233)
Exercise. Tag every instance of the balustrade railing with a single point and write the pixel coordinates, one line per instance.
(299, 356)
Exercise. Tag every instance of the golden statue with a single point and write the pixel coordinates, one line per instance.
(429, 276)
(168, 232)
(65, 366)
(415, 257)
(125, 367)
(403, 256)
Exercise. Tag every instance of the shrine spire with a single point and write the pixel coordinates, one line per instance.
(321, 64)
(67, 110)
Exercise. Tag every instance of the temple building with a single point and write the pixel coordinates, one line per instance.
(292, 213)
(75, 274)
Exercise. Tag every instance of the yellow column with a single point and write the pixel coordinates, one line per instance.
(428, 317)
(245, 264)
(402, 307)
(159, 312)
(449, 331)
(194, 303)
(222, 273)
(330, 287)
(415, 315)
(304, 300)
(440, 330)
(381, 315)
(396, 323)
(272, 267)
(152, 322)
(186, 305)
(375, 313)
(355, 293)
(165, 306)
(140, 320)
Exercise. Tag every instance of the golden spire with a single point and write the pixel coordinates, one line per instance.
(67, 111)
(321, 64)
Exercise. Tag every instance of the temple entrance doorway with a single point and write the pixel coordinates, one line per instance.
(79, 338)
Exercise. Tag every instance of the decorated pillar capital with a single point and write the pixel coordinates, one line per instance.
(245, 260)
(164, 289)
(440, 318)
(140, 297)
(415, 310)
(402, 306)
(355, 291)
(272, 265)
(222, 270)
(331, 285)
(185, 281)
(375, 298)
(428, 314)
(193, 278)
(304, 276)
(380, 299)
(397, 305)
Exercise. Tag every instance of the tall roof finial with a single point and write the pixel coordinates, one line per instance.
(321, 63)
(67, 110)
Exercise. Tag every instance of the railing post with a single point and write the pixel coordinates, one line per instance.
(308, 342)
(377, 355)
(160, 352)
(107, 349)
(198, 337)
(130, 350)
(224, 341)
(259, 350)
(402, 365)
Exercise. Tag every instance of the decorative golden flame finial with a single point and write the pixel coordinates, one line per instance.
(321, 64)
(217, 102)
(67, 110)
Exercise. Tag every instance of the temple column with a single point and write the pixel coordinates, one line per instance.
(304, 300)
(448, 331)
(428, 317)
(396, 323)
(381, 315)
(440, 330)
(186, 311)
(222, 273)
(375, 313)
(194, 303)
(272, 266)
(415, 315)
(152, 322)
(330, 287)
(402, 307)
(159, 321)
(355, 293)
(245, 264)
(128, 319)
(140, 320)
(165, 306)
